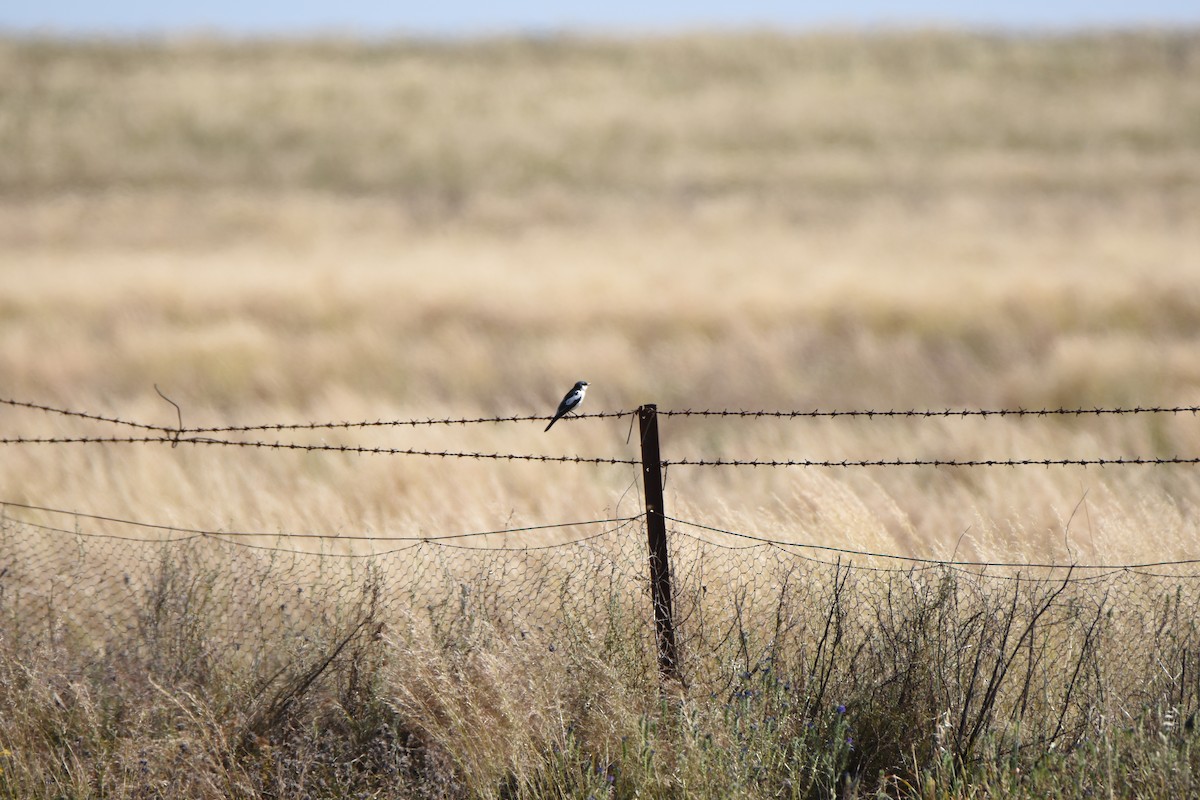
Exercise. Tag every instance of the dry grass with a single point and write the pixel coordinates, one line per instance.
(337, 230)
(761, 316)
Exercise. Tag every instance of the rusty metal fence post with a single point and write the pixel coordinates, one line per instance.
(656, 528)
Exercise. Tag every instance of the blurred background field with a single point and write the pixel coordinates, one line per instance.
(351, 229)
(329, 229)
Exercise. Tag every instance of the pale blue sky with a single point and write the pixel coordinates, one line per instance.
(455, 17)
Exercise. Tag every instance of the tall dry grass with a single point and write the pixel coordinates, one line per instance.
(335, 230)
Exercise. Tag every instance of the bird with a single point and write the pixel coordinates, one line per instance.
(570, 402)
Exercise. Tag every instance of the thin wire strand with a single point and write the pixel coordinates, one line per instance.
(234, 539)
(931, 565)
(932, 561)
(620, 523)
(417, 543)
(791, 553)
(284, 534)
(552, 546)
(289, 551)
(90, 535)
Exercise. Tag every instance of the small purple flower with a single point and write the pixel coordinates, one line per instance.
(841, 709)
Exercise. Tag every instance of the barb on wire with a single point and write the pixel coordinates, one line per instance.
(946, 413)
(931, 462)
(81, 415)
(930, 561)
(329, 448)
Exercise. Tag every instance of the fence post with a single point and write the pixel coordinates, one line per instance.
(656, 528)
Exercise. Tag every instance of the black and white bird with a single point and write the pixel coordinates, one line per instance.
(570, 402)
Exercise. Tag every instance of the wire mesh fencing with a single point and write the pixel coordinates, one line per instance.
(1044, 655)
(241, 594)
(1036, 657)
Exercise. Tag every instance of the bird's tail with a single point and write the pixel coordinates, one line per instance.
(551, 423)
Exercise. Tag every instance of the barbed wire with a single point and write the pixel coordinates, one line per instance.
(666, 463)
(396, 423)
(183, 435)
(307, 426)
(932, 462)
(817, 413)
(330, 448)
(946, 413)
(82, 415)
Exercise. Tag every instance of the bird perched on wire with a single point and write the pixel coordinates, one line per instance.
(570, 402)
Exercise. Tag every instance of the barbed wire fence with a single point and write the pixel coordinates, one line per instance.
(1056, 650)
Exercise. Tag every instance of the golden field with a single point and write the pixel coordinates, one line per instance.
(330, 230)
(336, 230)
